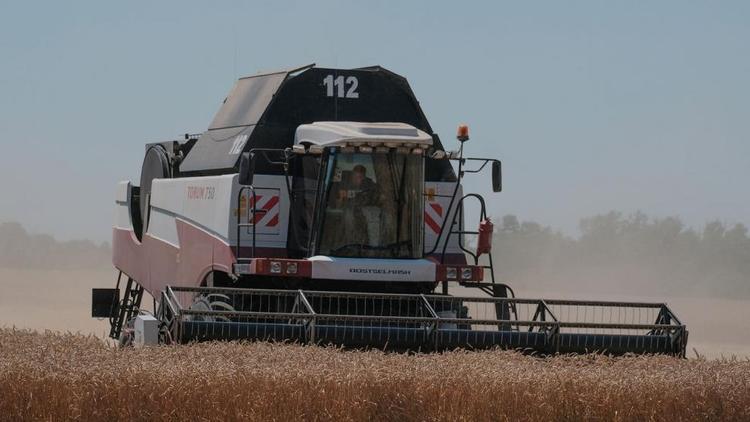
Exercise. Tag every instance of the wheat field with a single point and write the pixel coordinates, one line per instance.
(53, 376)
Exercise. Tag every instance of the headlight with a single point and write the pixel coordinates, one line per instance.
(450, 273)
(467, 273)
(291, 268)
(275, 267)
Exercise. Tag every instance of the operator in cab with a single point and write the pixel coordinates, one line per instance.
(359, 191)
(358, 198)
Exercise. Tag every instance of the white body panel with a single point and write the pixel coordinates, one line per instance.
(211, 203)
(146, 331)
(122, 206)
(271, 227)
(436, 211)
(326, 267)
(201, 201)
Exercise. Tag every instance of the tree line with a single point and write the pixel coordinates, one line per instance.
(20, 249)
(632, 254)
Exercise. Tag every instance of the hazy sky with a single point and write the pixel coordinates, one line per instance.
(592, 106)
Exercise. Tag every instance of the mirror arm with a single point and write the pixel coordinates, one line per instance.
(484, 161)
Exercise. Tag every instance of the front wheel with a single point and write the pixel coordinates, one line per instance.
(211, 302)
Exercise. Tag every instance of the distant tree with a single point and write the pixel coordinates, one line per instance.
(714, 231)
(737, 235)
(511, 224)
(605, 226)
(531, 227)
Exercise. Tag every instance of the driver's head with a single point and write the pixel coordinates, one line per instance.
(358, 174)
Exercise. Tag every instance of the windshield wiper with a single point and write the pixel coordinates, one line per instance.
(362, 247)
(347, 246)
(394, 176)
(400, 209)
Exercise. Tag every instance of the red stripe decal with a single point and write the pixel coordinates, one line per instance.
(268, 207)
(430, 222)
(271, 203)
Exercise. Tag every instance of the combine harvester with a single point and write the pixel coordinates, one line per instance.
(319, 207)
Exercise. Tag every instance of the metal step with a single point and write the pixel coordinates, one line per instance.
(127, 308)
(424, 322)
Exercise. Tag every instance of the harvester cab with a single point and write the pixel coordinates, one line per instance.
(356, 211)
(320, 207)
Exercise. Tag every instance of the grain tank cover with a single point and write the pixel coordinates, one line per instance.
(220, 146)
(246, 102)
(264, 111)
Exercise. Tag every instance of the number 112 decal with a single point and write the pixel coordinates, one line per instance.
(340, 85)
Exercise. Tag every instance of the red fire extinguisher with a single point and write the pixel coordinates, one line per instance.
(484, 243)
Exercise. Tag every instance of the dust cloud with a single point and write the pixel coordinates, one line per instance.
(46, 285)
(58, 300)
(703, 275)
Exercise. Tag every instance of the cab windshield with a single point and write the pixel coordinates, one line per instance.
(373, 205)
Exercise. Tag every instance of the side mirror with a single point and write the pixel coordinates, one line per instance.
(497, 177)
(247, 169)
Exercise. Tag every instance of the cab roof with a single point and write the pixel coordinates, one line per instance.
(361, 133)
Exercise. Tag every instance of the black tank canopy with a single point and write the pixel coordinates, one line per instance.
(263, 111)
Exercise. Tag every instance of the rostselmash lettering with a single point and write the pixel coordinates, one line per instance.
(379, 271)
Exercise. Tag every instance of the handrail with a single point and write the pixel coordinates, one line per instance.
(459, 215)
(238, 247)
(450, 206)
